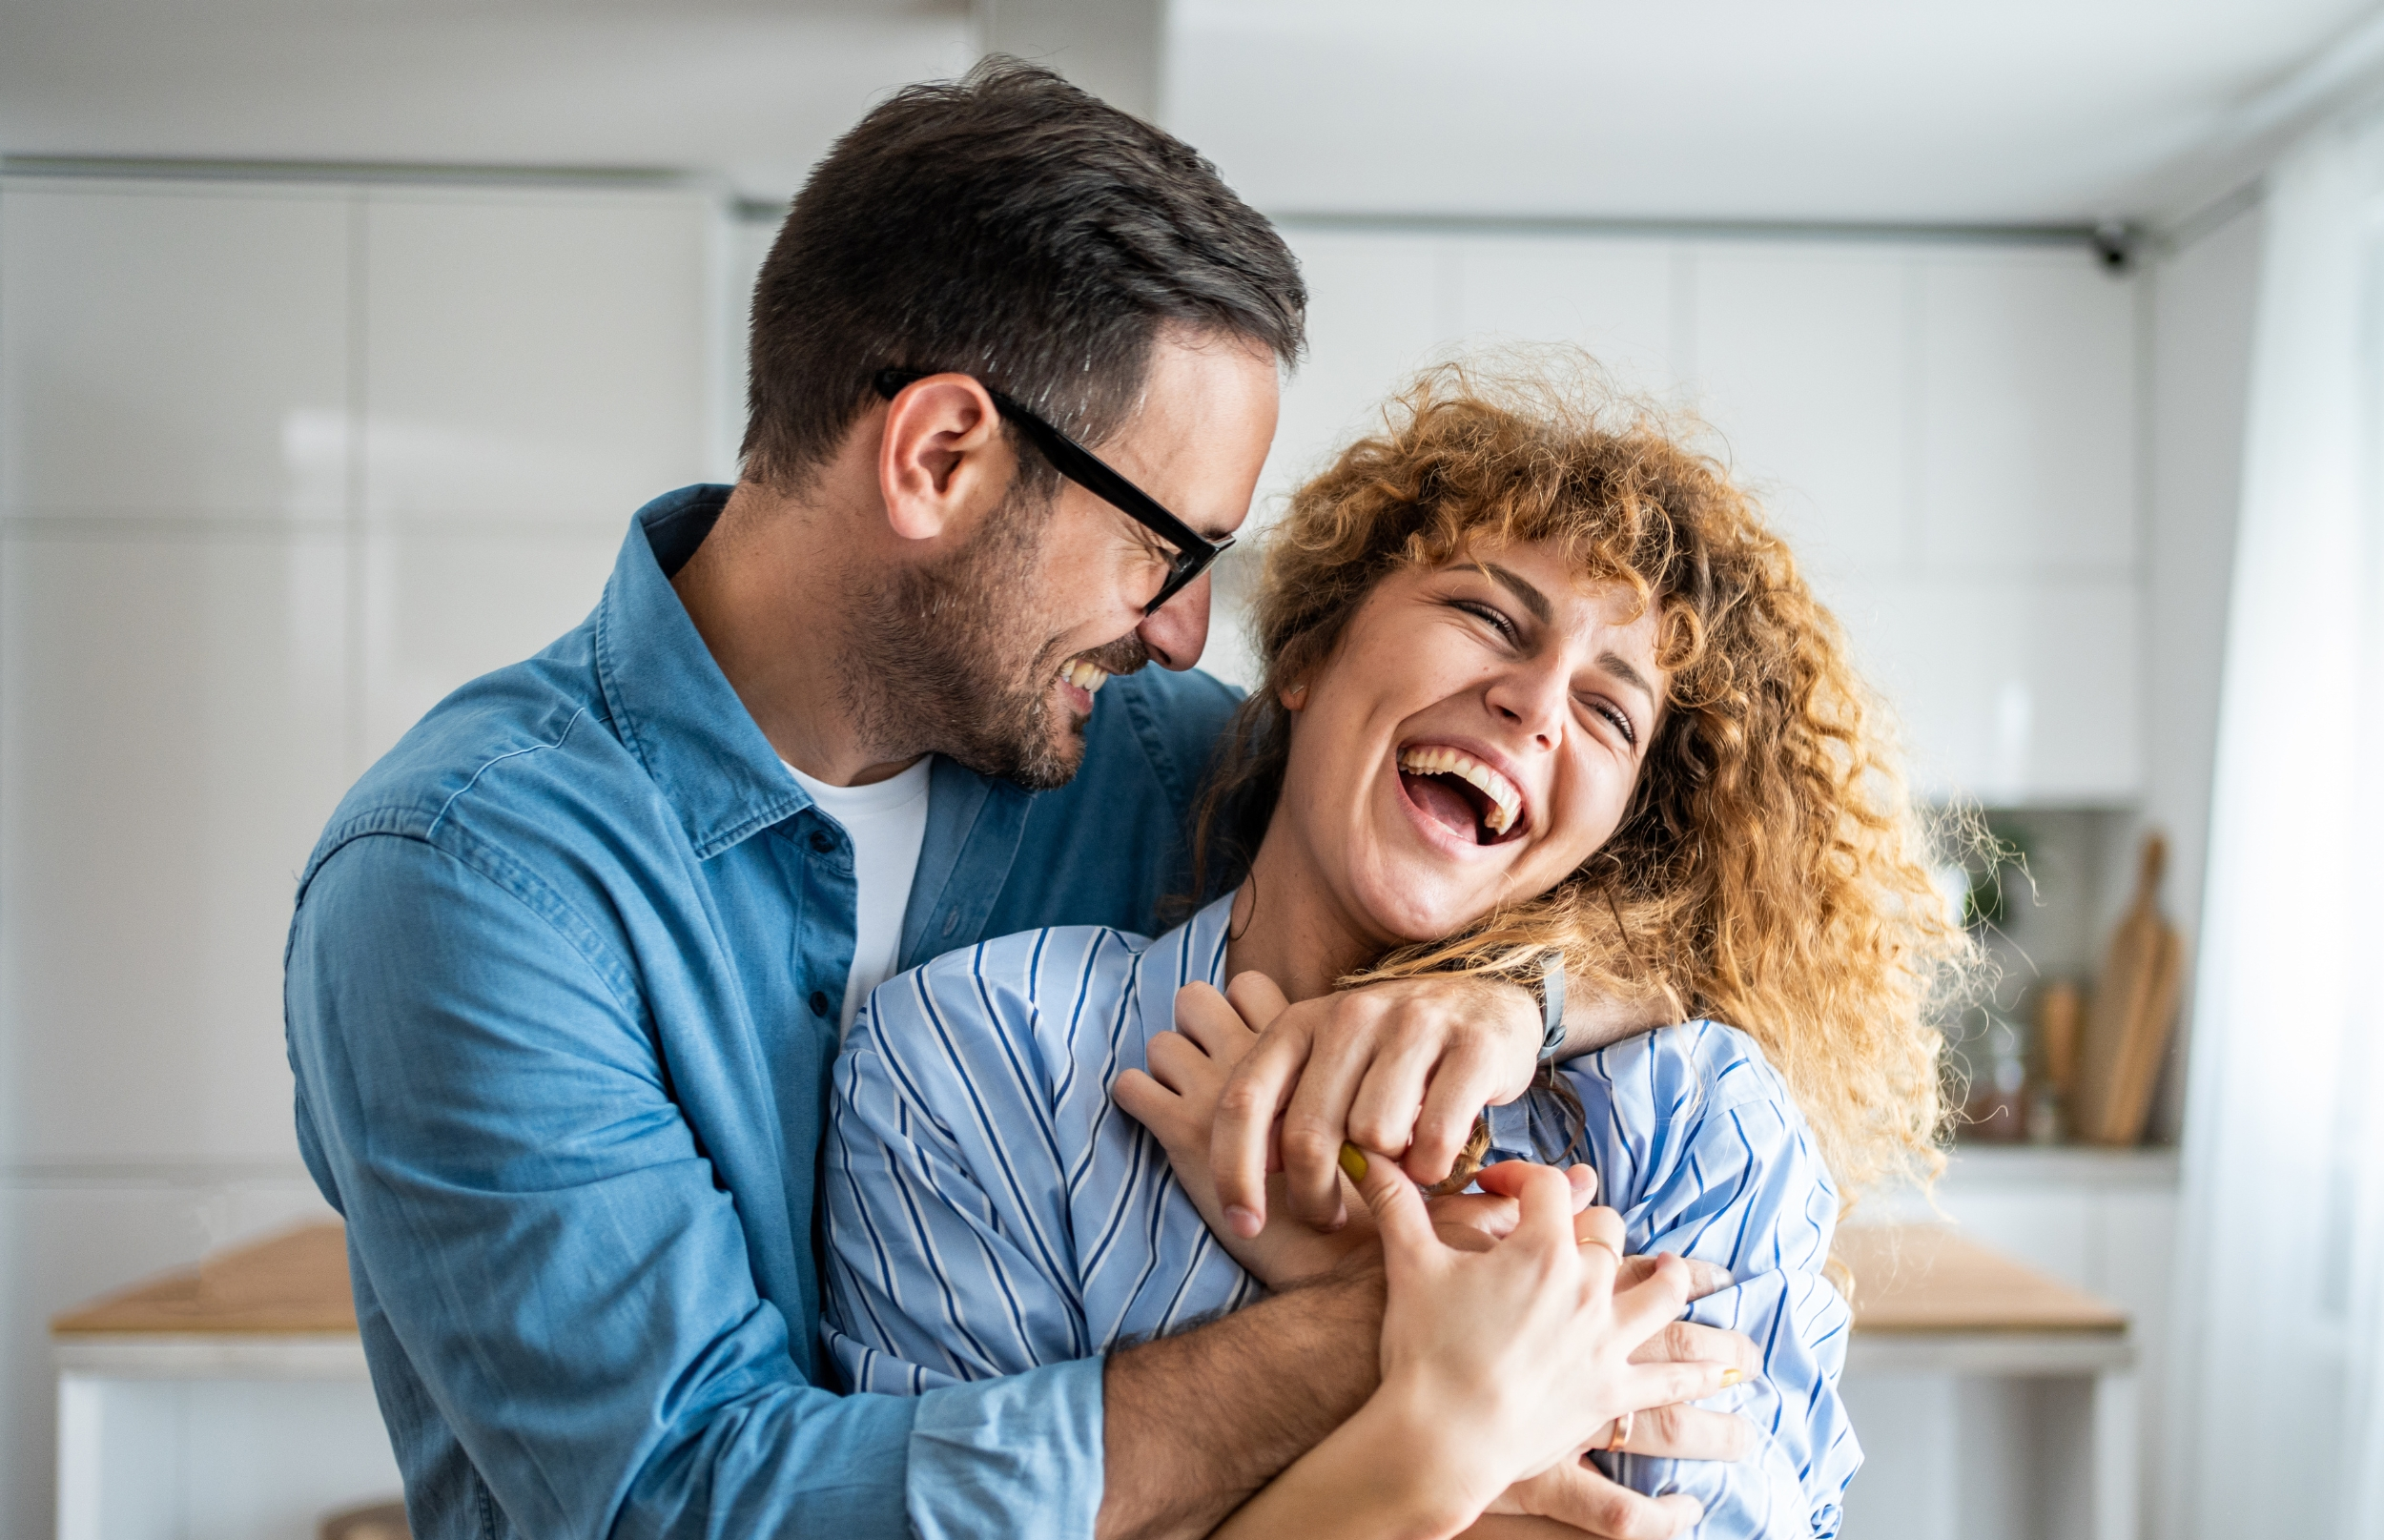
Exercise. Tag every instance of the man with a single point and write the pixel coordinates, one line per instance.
(568, 966)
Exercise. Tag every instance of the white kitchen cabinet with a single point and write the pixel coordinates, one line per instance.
(2028, 413)
(534, 356)
(1375, 316)
(2010, 690)
(167, 352)
(1946, 434)
(444, 605)
(173, 736)
(1613, 296)
(1801, 362)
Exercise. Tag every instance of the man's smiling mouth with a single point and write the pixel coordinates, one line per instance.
(1088, 677)
(1473, 800)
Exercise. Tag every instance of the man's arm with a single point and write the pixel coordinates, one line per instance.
(562, 1274)
(1198, 1422)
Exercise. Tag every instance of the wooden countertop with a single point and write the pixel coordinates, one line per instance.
(1908, 1279)
(294, 1284)
(1925, 1278)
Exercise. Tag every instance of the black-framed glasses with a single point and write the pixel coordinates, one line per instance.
(1194, 552)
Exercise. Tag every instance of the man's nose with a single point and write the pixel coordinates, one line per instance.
(1179, 634)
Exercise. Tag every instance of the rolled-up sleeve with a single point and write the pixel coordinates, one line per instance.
(545, 1251)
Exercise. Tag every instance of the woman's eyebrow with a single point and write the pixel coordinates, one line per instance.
(1533, 598)
(1615, 664)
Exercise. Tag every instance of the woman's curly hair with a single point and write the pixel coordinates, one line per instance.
(1771, 871)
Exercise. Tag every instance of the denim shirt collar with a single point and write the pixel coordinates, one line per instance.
(669, 702)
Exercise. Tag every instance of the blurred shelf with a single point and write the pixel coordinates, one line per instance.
(1972, 1167)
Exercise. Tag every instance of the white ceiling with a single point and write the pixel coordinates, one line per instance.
(1995, 111)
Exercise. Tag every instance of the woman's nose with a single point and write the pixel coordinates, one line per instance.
(1532, 699)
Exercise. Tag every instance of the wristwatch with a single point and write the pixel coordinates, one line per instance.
(1549, 989)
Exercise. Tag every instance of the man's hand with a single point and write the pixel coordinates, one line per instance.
(1403, 1066)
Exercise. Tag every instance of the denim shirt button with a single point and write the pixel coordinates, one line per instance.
(820, 841)
(819, 1004)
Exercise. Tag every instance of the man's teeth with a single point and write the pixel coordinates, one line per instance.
(1088, 677)
(1506, 798)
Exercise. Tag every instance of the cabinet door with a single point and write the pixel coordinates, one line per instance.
(1374, 318)
(1610, 297)
(536, 356)
(1800, 365)
(2010, 690)
(172, 350)
(2028, 413)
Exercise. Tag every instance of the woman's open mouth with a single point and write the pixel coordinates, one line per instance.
(1472, 800)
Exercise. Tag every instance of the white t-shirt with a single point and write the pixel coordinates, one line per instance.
(887, 823)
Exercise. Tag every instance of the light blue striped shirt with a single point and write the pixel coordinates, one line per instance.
(991, 1210)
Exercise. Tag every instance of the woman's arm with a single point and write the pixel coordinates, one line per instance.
(1497, 1364)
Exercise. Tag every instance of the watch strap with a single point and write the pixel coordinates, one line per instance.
(1550, 990)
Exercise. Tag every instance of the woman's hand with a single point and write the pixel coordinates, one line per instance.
(1499, 1367)
(1177, 1102)
(1520, 1356)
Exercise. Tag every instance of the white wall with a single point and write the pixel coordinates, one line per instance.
(280, 466)
(1945, 431)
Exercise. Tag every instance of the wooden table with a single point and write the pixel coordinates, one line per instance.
(1932, 1309)
(1925, 1303)
(227, 1398)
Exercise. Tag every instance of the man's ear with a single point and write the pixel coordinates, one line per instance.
(942, 459)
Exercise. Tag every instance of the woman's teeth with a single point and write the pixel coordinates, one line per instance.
(1088, 677)
(1505, 797)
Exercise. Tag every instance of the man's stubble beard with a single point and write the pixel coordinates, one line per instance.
(946, 658)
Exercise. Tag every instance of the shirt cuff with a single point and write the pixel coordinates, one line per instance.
(1017, 1455)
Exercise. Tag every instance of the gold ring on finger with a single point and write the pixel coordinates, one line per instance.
(1622, 1430)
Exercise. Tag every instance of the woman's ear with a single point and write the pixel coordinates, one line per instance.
(942, 460)
(1293, 697)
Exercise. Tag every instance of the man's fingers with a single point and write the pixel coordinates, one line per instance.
(1315, 1125)
(1576, 1493)
(1245, 1119)
(1685, 1342)
(1257, 997)
(1466, 1080)
(1678, 1432)
(1383, 1114)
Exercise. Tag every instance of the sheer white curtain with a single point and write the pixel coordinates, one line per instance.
(2279, 1426)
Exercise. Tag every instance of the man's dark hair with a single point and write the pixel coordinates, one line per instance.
(1012, 227)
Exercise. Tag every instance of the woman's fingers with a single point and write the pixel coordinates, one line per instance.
(1577, 1494)
(1678, 1432)
(1257, 998)
(1397, 1204)
(1704, 1276)
(1242, 1137)
(1685, 1342)
(1650, 1387)
(1208, 1019)
(1501, 1178)
(1644, 1308)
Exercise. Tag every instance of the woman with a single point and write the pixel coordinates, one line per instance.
(1537, 679)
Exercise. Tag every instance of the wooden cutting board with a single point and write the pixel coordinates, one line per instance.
(2129, 1018)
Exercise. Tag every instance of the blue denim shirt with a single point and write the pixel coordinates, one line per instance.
(561, 1001)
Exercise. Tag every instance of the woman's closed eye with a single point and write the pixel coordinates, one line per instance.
(1619, 718)
(1492, 616)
